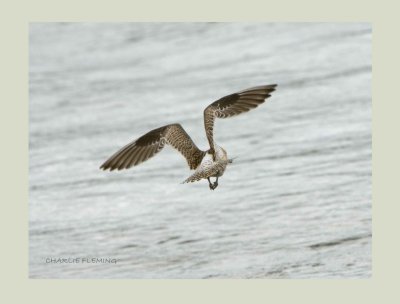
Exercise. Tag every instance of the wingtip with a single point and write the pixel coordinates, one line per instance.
(271, 88)
(105, 168)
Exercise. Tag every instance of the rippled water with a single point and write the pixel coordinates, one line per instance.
(296, 203)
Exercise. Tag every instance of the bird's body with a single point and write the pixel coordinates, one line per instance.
(210, 163)
(210, 167)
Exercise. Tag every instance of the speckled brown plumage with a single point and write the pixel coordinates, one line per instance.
(151, 143)
(208, 168)
(233, 105)
(210, 163)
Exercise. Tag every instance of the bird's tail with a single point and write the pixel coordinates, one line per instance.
(196, 176)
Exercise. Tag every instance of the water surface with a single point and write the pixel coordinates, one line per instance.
(296, 203)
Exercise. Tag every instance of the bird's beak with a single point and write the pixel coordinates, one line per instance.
(231, 160)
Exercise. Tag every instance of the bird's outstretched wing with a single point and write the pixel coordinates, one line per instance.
(234, 104)
(151, 143)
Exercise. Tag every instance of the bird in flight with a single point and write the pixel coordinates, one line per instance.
(207, 164)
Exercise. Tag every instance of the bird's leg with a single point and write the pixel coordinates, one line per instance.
(215, 185)
(210, 185)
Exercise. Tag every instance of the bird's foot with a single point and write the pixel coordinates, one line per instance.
(209, 184)
(214, 185)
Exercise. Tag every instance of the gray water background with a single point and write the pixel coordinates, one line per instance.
(296, 203)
